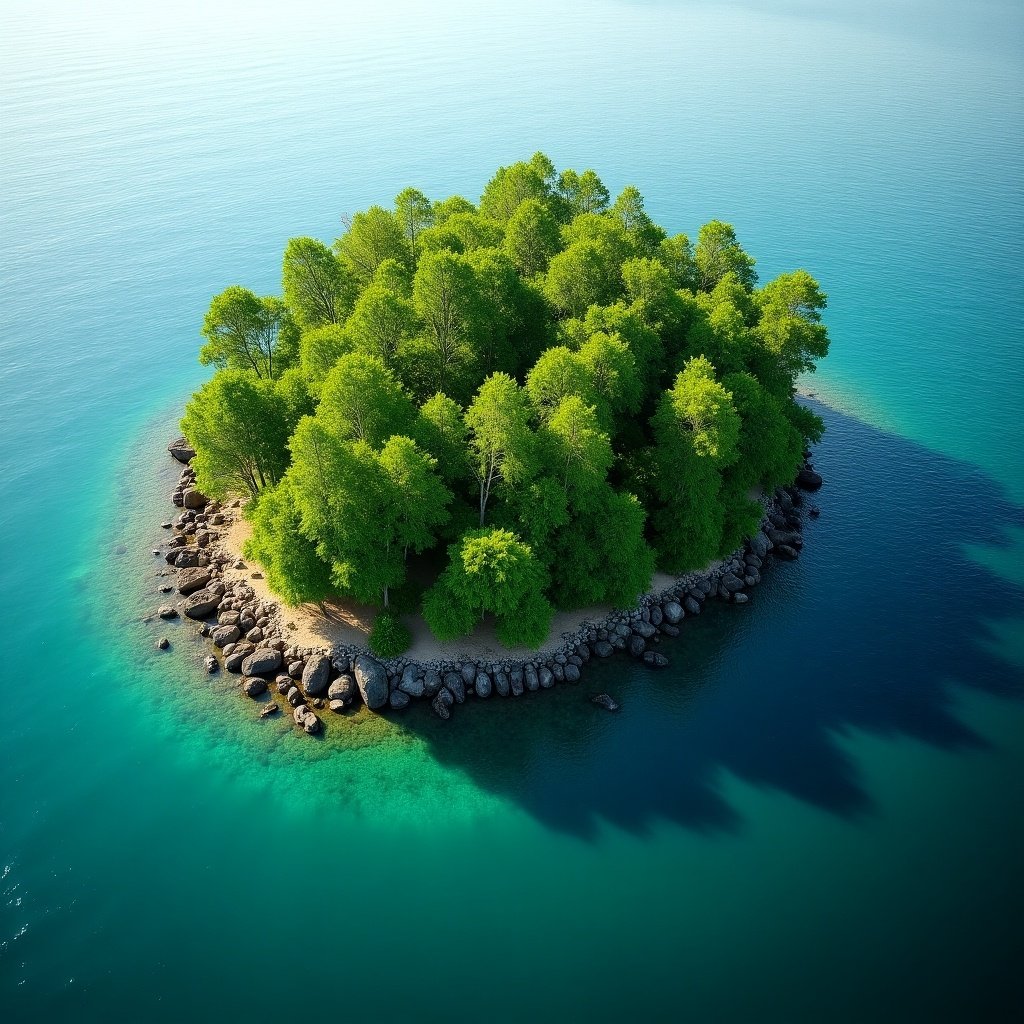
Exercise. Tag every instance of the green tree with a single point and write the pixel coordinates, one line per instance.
(613, 377)
(414, 214)
(448, 303)
(579, 449)
(718, 253)
(790, 335)
(239, 425)
(696, 431)
(511, 185)
(440, 430)
(317, 289)
(676, 253)
(247, 332)
(557, 374)
(319, 349)
(362, 400)
(582, 193)
(381, 323)
(372, 237)
(490, 571)
(643, 233)
(289, 559)
(502, 445)
(581, 276)
(532, 237)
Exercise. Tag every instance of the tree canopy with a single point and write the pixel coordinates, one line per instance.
(507, 407)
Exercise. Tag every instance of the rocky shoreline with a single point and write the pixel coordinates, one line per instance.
(249, 638)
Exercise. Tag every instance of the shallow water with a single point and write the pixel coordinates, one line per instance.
(813, 815)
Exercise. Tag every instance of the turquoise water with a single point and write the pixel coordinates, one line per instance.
(814, 815)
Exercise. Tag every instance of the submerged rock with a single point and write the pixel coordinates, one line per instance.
(603, 700)
(808, 480)
(182, 450)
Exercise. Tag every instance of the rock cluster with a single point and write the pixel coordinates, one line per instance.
(252, 639)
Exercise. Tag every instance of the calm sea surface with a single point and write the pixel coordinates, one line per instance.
(814, 815)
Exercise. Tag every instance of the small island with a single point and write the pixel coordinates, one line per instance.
(491, 415)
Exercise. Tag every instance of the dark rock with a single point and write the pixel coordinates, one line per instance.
(545, 677)
(572, 673)
(655, 660)
(808, 480)
(224, 635)
(603, 649)
(456, 685)
(163, 643)
(692, 605)
(469, 673)
(253, 686)
(337, 706)
(603, 700)
(558, 671)
(233, 662)
(669, 630)
(343, 688)
(531, 679)
(307, 720)
(165, 611)
(181, 450)
(398, 699)
(195, 499)
(255, 635)
(440, 706)
(655, 616)
(644, 629)
(732, 583)
(785, 551)
(740, 598)
(316, 675)
(261, 661)
(210, 663)
(482, 684)
(269, 709)
(501, 684)
(296, 668)
(759, 544)
(637, 646)
(584, 652)
(412, 682)
(672, 611)
(372, 680)
(431, 682)
(228, 618)
(515, 681)
(294, 697)
(201, 604)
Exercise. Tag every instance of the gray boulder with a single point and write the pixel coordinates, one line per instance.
(398, 699)
(182, 450)
(759, 544)
(201, 604)
(732, 583)
(454, 682)
(603, 649)
(637, 646)
(572, 673)
(652, 659)
(193, 498)
(253, 686)
(515, 681)
(673, 612)
(692, 605)
(469, 673)
(501, 683)
(372, 680)
(411, 682)
(545, 677)
(262, 661)
(808, 480)
(307, 720)
(432, 682)
(343, 688)
(233, 662)
(644, 629)
(740, 598)
(191, 580)
(224, 635)
(482, 684)
(316, 675)
(166, 611)
(532, 679)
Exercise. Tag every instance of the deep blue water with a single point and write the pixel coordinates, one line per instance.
(814, 815)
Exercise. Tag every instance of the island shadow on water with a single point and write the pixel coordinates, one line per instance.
(874, 629)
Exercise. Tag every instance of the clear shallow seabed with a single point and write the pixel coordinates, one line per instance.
(815, 814)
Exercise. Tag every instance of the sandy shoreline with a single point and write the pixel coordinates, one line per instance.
(345, 623)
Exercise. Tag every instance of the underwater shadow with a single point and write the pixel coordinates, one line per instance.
(874, 629)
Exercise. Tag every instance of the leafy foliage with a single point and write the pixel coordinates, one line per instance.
(389, 636)
(546, 383)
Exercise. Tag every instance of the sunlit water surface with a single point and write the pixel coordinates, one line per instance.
(814, 815)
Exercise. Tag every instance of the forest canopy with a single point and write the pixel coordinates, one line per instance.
(507, 407)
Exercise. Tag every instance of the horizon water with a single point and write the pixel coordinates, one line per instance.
(814, 814)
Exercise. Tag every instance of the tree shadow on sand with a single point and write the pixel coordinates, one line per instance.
(874, 629)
